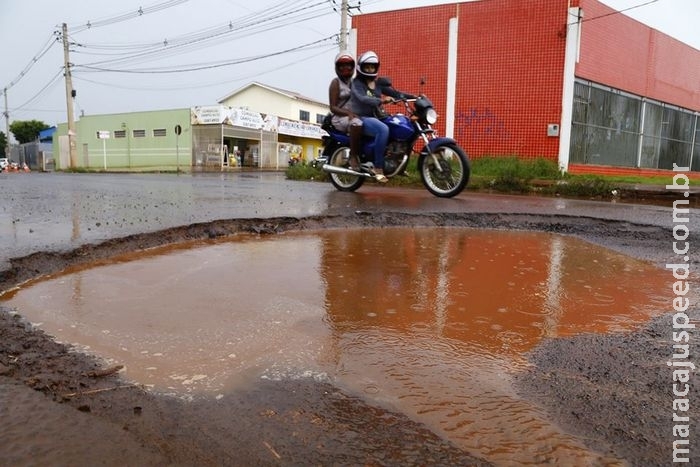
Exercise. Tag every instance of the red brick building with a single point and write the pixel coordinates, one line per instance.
(573, 81)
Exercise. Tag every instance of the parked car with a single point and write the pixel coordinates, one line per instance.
(4, 163)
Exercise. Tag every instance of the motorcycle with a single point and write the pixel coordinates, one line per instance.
(443, 166)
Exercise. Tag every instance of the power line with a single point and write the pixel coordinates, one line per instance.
(200, 85)
(210, 65)
(127, 16)
(55, 36)
(215, 34)
(55, 79)
(43, 51)
(279, 15)
(616, 12)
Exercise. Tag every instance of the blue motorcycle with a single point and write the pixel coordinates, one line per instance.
(442, 164)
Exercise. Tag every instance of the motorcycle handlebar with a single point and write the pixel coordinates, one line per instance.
(403, 99)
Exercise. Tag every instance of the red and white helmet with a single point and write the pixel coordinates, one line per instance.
(364, 64)
(344, 65)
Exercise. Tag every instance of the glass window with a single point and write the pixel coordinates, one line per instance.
(606, 129)
(159, 132)
(304, 115)
(139, 133)
(667, 137)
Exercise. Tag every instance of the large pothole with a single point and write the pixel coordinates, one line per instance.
(429, 322)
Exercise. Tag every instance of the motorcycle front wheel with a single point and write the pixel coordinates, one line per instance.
(444, 171)
(343, 182)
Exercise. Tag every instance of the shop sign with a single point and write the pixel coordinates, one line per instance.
(245, 118)
(301, 129)
(207, 115)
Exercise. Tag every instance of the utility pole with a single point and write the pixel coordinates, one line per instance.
(344, 13)
(7, 127)
(69, 101)
(344, 25)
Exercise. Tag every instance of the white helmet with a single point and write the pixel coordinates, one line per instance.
(368, 58)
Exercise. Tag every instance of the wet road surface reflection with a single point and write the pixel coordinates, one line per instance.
(429, 322)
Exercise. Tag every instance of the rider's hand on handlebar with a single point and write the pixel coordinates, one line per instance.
(388, 100)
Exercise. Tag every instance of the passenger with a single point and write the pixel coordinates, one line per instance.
(366, 102)
(344, 119)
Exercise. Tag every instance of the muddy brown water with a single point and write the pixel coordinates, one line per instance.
(428, 322)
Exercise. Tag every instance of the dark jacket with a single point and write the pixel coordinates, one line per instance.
(363, 100)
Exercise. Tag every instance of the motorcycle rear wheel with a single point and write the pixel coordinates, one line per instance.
(444, 172)
(343, 182)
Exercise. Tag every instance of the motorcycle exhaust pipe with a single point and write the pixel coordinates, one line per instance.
(344, 171)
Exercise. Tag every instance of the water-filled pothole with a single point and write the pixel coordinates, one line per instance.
(431, 322)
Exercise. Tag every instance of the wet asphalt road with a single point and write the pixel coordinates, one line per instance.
(60, 212)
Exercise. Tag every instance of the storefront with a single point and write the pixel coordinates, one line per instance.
(301, 139)
(206, 138)
(225, 137)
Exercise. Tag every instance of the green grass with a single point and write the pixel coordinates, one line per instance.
(305, 172)
(508, 174)
(508, 167)
(588, 186)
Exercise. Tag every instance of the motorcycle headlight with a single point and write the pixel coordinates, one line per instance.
(431, 116)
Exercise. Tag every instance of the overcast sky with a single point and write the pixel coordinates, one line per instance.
(181, 53)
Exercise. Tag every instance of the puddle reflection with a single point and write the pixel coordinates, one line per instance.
(430, 322)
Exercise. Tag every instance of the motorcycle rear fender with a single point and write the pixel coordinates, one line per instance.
(437, 142)
(331, 143)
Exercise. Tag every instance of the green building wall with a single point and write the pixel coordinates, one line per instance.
(136, 141)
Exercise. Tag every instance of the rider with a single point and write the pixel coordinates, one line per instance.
(344, 119)
(368, 94)
(365, 101)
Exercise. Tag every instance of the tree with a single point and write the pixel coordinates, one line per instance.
(3, 144)
(27, 131)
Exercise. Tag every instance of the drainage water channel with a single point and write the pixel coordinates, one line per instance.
(429, 322)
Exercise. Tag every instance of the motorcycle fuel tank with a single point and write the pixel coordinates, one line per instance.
(400, 127)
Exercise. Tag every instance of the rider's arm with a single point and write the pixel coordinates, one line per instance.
(364, 95)
(391, 92)
(386, 88)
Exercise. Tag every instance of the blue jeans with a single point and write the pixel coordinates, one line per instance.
(380, 132)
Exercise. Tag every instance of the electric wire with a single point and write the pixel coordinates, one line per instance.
(275, 17)
(616, 12)
(243, 22)
(209, 65)
(51, 83)
(43, 51)
(199, 85)
(127, 16)
(217, 34)
(55, 36)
